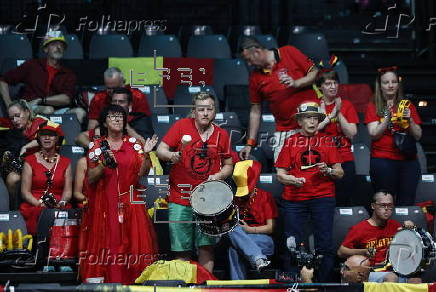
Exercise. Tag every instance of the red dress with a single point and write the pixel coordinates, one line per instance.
(121, 239)
(39, 185)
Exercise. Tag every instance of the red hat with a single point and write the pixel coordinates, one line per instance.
(53, 127)
(246, 174)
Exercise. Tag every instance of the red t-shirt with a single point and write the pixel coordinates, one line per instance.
(283, 101)
(260, 208)
(299, 151)
(364, 235)
(199, 160)
(385, 146)
(51, 72)
(102, 100)
(334, 128)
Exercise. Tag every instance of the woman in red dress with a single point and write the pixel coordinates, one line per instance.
(23, 126)
(121, 239)
(45, 172)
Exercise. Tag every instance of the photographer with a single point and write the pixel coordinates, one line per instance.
(120, 226)
(46, 177)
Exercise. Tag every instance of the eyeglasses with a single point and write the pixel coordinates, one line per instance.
(385, 206)
(115, 117)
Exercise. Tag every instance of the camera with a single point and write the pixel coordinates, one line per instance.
(301, 257)
(49, 199)
(109, 161)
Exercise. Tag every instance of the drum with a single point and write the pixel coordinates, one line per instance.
(212, 203)
(411, 251)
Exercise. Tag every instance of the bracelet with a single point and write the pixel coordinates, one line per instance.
(251, 142)
(330, 171)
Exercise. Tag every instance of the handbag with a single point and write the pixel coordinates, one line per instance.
(405, 143)
(64, 239)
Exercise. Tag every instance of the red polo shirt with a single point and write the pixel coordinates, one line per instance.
(299, 151)
(334, 128)
(385, 146)
(283, 101)
(102, 100)
(199, 160)
(35, 76)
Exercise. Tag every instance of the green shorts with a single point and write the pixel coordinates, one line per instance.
(182, 235)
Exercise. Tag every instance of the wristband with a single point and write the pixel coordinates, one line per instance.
(251, 142)
(330, 171)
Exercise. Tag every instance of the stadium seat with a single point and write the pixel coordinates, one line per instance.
(74, 50)
(4, 197)
(183, 97)
(426, 189)
(10, 63)
(227, 119)
(157, 100)
(88, 72)
(412, 213)
(209, 46)
(421, 158)
(237, 100)
(269, 182)
(15, 46)
(228, 71)
(186, 31)
(256, 154)
(343, 220)
(165, 45)
(45, 222)
(12, 220)
(110, 45)
(70, 126)
(361, 154)
(265, 135)
(235, 32)
(342, 72)
(359, 94)
(362, 196)
(162, 123)
(74, 153)
(362, 136)
(313, 45)
(156, 186)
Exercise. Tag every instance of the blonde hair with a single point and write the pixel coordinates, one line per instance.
(24, 106)
(379, 100)
(202, 95)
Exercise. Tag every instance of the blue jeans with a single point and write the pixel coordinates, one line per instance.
(296, 215)
(401, 177)
(245, 249)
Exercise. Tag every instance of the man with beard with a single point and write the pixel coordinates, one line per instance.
(49, 87)
(308, 165)
(203, 154)
(372, 237)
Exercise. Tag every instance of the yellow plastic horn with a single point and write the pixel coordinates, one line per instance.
(398, 117)
(28, 237)
(10, 240)
(18, 239)
(3, 240)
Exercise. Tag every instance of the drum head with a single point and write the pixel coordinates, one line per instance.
(406, 252)
(211, 197)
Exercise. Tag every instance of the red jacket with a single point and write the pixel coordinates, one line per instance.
(33, 73)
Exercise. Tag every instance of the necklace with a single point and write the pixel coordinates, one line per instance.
(47, 158)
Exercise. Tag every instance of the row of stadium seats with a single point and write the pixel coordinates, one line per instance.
(119, 45)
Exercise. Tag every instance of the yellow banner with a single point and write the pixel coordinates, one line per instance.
(139, 72)
(395, 287)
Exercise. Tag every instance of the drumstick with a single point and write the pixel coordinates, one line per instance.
(186, 139)
(308, 166)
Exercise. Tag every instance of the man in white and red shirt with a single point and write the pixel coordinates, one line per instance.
(307, 165)
(284, 78)
(113, 78)
(206, 156)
